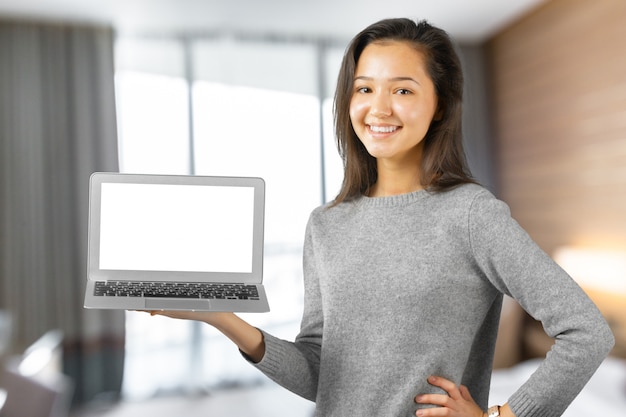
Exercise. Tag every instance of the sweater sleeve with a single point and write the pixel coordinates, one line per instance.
(295, 365)
(516, 266)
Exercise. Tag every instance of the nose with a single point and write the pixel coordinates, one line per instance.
(380, 105)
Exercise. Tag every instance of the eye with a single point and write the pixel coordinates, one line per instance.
(403, 91)
(362, 90)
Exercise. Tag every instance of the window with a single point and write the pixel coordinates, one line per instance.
(153, 122)
(253, 110)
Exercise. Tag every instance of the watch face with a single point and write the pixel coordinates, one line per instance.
(494, 411)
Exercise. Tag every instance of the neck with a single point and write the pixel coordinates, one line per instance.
(395, 182)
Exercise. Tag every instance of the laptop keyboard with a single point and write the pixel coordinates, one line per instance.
(176, 290)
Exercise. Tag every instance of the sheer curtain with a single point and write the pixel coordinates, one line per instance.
(57, 126)
(235, 105)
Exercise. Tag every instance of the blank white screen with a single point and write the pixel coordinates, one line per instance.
(165, 227)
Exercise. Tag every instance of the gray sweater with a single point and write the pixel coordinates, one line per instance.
(398, 288)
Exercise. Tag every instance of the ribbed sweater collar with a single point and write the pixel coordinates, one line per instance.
(393, 200)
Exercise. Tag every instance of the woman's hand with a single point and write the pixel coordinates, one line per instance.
(248, 338)
(203, 316)
(458, 402)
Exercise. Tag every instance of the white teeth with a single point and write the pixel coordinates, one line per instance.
(383, 129)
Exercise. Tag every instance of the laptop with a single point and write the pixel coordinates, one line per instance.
(175, 242)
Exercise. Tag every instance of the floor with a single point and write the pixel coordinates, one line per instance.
(263, 401)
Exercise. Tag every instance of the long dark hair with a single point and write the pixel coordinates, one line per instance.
(443, 163)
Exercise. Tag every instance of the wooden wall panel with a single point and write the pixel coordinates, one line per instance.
(559, 113)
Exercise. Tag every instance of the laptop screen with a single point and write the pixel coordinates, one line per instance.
(180, 228)
(166, 227)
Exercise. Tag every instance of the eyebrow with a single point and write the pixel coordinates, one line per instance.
(393, 79)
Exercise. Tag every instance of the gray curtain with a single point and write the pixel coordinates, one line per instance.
(57, 126)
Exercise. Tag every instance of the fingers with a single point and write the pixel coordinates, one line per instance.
(151, 312)
(446, 385)
(177, 314)
(434, 399)
(457, 402)
(465, 393)
(441, 400)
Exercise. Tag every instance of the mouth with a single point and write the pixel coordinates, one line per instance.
(382, 129)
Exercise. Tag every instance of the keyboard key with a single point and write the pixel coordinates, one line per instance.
(176, 290)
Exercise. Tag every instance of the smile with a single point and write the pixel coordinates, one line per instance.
(383, 129)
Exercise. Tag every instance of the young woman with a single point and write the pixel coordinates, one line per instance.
(405, 271)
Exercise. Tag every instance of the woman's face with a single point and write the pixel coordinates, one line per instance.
(393, 101)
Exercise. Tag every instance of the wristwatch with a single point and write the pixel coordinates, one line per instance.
(494, 411)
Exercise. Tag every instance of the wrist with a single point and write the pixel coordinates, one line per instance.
(493, 411)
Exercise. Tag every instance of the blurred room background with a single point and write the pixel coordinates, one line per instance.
(245, 87)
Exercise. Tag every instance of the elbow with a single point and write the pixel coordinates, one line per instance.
(609, 339)
(602, 337)
(596, 340)
(602, 340)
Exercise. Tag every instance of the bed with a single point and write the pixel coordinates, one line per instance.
(603, 396)
(522, 344)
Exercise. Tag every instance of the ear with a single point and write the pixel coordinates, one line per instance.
(438, 115)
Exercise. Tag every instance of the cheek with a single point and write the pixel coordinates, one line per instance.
(357, 111)
(416, 113)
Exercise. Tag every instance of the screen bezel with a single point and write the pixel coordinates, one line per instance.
(95, 190)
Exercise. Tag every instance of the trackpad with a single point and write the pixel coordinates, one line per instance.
(177, 304)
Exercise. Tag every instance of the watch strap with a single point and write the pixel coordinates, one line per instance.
(494, 411)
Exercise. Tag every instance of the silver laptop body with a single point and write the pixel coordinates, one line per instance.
(175, 242)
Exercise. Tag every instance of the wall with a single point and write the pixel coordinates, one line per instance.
(559, 108)
(560, 121)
